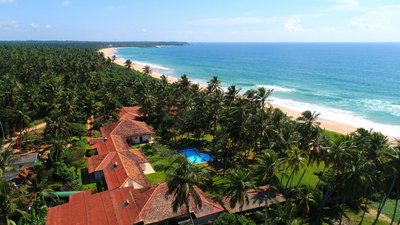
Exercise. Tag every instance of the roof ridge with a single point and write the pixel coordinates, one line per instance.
(114, 207)
(120, 155)
(109, 156)
(148, 200)
(205, 198)
(102, 203)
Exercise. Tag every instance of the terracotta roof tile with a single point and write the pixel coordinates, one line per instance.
(159, 206)
(124, 206)
(131, 112)
(120, 169)
(256, 200)
(131, 128)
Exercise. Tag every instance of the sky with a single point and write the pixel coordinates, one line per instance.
(201, 20)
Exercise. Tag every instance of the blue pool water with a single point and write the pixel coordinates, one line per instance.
(352, 83)
(194, 156)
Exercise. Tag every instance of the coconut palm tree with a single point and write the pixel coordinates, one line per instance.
(147, 70)
(181, 185)
(128, 64)
(267, 168)
(238, 183)
(295, 159)
(393, 166)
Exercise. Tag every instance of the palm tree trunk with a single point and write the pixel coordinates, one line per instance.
(266, 212)
(384, 201)
(301, 178)
(395, 206)
(289, 179)
(190, 215)
(319, 180)
(304, 172)
(366, 206)
(365, 211)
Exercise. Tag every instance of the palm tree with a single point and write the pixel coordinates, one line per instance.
(267, 168)
(238, 183)
(10, 202)
(181, 184)
(295, 159)
(147, 70)
(128, 64)
(306, 199)
(393, 166)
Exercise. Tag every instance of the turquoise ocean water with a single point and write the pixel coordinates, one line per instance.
(355, 84)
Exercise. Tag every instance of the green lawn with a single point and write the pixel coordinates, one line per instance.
(309, 178)
(354, 216)
(389, 208)
(157, 177)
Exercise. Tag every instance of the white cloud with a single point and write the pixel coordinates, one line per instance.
(38, 26)
(384, 18)
(10, 24)
(293, 24)
(35, 25)
(6, 1)
(346, 4)
(236, 21)
(66, 3)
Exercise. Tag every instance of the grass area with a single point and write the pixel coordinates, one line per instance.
(157, 177)
(353, 216)
(388, 209)
(91, 186)
(331, 135)
(161, 159)
(309, 179)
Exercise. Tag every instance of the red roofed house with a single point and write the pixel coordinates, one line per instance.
(131, 130)
(121, 169)
(126, 206)
(129, 198)
(130, 112)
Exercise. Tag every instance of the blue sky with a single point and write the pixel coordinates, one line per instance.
(201, 20)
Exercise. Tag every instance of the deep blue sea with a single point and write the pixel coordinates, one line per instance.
(352, 83)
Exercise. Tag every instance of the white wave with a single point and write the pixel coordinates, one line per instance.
(277, 88)
(338, 115)
(154, 66)
(381, 106)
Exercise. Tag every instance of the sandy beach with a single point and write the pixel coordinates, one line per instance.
(324, 123)
(110, 52)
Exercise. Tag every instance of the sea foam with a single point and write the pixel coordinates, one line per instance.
(277, 88)
(338, 115)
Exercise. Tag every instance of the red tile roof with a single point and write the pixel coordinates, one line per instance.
(122, 167)
(159, 206)
(131, 112)
(126, 128)
(149, 205)
(256, 199)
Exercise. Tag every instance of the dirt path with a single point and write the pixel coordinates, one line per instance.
(13, 139)
(373, 213)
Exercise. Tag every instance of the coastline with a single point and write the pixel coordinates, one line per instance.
(324, 123)
(110, 52)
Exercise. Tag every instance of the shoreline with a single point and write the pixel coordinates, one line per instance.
(326, 124)
(110, 52)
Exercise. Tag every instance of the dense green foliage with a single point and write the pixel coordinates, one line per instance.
(231, 219)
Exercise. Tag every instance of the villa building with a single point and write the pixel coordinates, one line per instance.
(129, 198)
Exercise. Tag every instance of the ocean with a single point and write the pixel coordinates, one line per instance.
(351, 83)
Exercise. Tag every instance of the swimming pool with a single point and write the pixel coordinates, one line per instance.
(194, 156)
